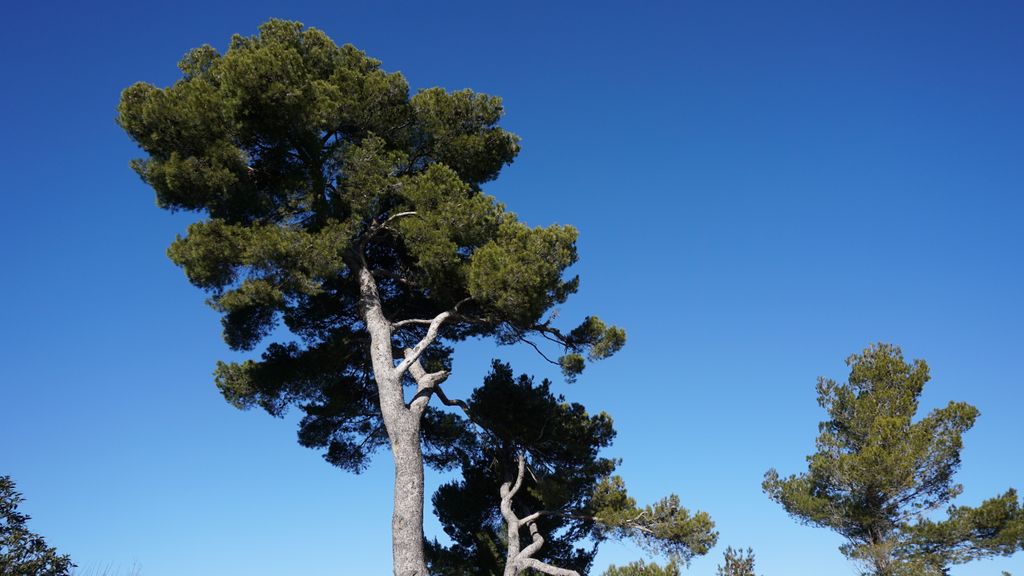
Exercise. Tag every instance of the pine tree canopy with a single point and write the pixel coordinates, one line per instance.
(570, 491)
(23, 553)
(515, 415)
(879, 474)
(641, 568)
(309, 163)
(737, 563)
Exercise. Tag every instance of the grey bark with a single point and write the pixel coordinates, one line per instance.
(518, 559)
(407, 518)
(403, 428)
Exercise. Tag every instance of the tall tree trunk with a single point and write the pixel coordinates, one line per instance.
(403, 428)
(407, 518)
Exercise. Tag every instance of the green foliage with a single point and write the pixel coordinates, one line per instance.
(996, 527)
(664, 527)
(737, 563)
(877, 472)
(641, 568)
(519, 275)
(23, 553)
(575, 490)
(513, 415)
(597, 339)
(307, 163)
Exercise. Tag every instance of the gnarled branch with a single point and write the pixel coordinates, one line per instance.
(516, 559)
(413, 354)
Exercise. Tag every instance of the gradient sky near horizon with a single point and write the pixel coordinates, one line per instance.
(762, 189)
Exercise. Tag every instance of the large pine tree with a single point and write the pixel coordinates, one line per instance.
(335, 202)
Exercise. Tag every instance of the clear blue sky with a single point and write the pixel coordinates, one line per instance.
(762, 189)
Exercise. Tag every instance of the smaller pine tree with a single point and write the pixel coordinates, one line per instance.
(737, 563)
(641, 568)
(881, 471)
(23, 553)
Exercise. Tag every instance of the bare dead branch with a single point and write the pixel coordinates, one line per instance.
(414, 353)
(398, 215)
(432, 331)
(410, 321)
(535, 347)
(448, 402)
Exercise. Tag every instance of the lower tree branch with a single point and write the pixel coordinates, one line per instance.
(449, 402)
(426, 384)
(548, 568)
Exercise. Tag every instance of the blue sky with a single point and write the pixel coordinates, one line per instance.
(762, 189)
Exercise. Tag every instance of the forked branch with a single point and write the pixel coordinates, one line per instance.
(518, 559)
(413, 354)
